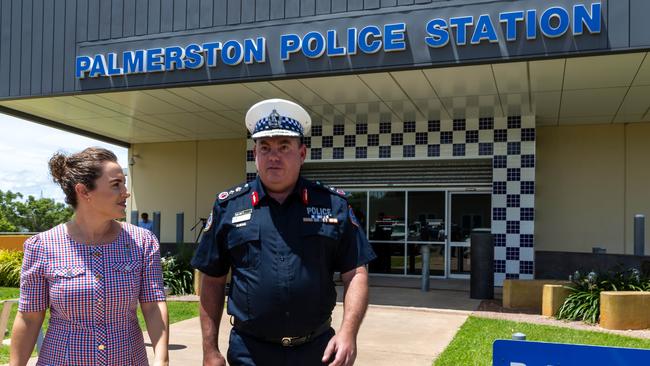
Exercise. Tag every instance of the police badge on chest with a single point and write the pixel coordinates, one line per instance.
(320, 214)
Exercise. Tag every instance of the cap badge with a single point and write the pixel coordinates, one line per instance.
(274, 119)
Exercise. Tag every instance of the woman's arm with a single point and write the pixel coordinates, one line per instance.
(155, 315)
(23, 337)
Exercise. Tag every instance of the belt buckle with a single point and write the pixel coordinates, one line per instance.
(287, 341)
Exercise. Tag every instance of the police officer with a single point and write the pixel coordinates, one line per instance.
(283, 237)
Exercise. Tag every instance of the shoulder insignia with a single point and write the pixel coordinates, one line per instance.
(208, 223)
(336, 191)
(232, 193)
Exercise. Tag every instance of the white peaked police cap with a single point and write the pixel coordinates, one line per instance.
(277, 117)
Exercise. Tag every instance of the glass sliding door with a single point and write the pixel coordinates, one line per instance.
(426, 226)
(386, 231)
(398, 223)
(468, 211)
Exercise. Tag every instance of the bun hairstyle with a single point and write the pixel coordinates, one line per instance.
(84, 167)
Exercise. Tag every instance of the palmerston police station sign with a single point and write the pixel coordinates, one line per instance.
(419, 36)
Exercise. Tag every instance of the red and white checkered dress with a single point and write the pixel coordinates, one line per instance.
(93, 294)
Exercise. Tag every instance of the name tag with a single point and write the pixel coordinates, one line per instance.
(242, 216)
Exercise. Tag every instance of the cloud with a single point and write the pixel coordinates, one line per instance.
(25, 149)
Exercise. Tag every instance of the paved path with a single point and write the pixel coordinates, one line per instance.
(389, 336)
(403, 326)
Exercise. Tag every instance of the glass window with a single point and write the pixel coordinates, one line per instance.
(426, 222)
(469, 211)
(387, 231)
(386, 216)
(359, 203)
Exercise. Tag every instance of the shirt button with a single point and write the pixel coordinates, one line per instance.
(281, 259)
(101, 347)
(98, 277)
(97, 254)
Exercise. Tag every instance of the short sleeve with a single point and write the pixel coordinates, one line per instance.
(354, 249)
(151, 287)
(211, 256)
(34, 289)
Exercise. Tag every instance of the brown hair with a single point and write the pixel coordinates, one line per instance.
(84, 167)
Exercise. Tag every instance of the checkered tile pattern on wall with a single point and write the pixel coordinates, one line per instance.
(510, 142)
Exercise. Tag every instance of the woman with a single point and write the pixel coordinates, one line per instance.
(91, 273)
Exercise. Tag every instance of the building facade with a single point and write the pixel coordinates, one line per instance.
(530, 118)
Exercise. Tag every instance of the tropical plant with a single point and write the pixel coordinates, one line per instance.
(177, 275)
(583, 303)
(10, 263)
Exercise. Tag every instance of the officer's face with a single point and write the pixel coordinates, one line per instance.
(278, 161)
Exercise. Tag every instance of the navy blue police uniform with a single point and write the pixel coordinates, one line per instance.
(283, 258)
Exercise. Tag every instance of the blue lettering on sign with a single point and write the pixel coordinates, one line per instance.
(394, 38)
(484, 30)
(525, 353)
(560, 16)
(511, 18)
(313, 45)
(133, 62)
(365, 35)
(552, 22)
(438, 34)
(333, 49)
(461, 24)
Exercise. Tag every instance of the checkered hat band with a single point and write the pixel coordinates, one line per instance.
(283, 123)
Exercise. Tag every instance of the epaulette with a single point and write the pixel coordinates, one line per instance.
(337, 191)
(232, 193)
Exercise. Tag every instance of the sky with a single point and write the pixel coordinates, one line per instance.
(26, 148)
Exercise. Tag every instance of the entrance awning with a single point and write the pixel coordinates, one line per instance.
(581, 90)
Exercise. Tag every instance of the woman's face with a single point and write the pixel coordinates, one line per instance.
(110, 193)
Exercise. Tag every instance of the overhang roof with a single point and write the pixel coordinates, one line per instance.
(580, 90)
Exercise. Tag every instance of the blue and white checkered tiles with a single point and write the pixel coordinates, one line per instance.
(510, 142)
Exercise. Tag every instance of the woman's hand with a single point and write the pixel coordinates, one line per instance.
(155, 316)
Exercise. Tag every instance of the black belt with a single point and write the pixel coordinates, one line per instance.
(285, 341)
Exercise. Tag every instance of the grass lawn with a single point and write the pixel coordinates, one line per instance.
(177, 311)
(473, 342)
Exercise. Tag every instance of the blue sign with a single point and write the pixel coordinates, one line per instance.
(525, 353)
(436, 34)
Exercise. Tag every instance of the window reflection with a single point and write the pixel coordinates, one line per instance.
(469, 211)
(387, 231)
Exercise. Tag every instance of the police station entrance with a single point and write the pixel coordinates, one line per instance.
(434, 203)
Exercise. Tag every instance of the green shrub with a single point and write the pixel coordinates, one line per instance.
(177, 274)
(10, 264)
(583, 303)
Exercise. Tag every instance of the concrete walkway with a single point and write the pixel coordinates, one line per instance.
(389, 336)
(403, 326)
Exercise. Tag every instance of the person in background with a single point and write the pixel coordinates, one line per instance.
(145, 223)
(91, 273)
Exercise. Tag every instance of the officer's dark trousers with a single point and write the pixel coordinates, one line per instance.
(248, 351)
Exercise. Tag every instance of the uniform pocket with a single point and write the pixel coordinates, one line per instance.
(320, 241)
(244, 246)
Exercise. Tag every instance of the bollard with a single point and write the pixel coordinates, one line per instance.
(481, 281)
(426, 255)
(180, 227)
(156, 224)
(135, 217)
(518, 336)
(639, 234)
